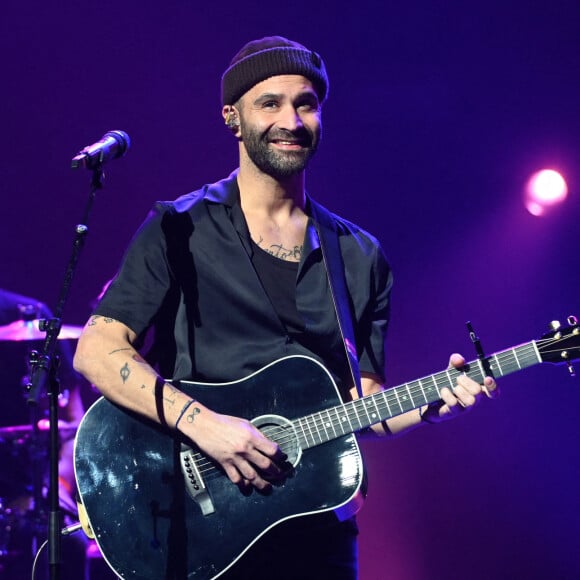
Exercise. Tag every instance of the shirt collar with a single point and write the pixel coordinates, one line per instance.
(225, 191)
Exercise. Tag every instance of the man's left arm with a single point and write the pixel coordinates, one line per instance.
(462, 399)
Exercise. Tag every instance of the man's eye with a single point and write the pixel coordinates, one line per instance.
(308, 106)
(270, 105)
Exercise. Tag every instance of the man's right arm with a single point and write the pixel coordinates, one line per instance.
(106, 356)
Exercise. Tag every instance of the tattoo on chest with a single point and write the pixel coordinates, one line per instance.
(281, 251)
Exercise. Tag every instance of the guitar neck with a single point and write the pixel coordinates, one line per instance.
(359, 414)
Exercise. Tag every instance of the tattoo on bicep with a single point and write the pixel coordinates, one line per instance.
(125, 372)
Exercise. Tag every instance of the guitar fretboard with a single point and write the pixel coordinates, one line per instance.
(357, 415)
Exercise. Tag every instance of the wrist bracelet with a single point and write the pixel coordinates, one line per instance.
(185, 407)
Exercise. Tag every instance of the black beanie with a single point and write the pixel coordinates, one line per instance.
(268, 57)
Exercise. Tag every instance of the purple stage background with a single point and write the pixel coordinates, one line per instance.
(437, 114)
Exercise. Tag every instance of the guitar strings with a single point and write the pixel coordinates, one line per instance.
(314, 425)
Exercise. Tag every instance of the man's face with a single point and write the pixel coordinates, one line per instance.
(280, 124)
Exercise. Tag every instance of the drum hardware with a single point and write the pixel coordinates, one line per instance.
(24, 447)
(23, 489)
(4, 528)
(31, 330)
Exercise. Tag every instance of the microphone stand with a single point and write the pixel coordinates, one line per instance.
(44, 368)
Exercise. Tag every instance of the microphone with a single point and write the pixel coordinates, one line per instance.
(112, 145)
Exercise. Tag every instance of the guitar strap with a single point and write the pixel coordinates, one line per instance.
(332, 257)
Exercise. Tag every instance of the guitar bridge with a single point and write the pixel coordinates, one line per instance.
(193, 481)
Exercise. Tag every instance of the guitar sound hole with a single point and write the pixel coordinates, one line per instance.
(282, 432)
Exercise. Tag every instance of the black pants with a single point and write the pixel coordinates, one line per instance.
(307, 548)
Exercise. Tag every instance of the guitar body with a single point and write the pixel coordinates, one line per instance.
(131, 479)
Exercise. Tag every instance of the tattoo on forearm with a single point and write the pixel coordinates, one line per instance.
(125, 372)
(169, 393)
(120, 350)
(191, 416)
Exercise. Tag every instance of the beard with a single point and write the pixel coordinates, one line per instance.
(279, 164)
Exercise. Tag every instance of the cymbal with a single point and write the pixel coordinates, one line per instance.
(28, 330)
(14, 431)
(17, 431)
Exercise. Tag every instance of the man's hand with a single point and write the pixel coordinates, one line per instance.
(464, 397)
(248, 457)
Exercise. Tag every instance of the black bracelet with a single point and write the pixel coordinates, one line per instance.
(185, 407)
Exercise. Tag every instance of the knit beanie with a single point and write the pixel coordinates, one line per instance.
(268, 57)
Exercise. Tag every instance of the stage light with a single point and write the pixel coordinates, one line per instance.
(544, 190)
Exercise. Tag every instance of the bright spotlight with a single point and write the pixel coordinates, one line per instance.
(544, 190)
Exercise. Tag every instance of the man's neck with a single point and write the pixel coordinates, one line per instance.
(263, 193)
(274, 212)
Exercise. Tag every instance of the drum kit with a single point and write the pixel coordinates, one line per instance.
(24, 447)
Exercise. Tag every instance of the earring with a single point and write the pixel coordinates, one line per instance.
(232, 119)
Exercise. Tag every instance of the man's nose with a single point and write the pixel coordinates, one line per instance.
(291, 119)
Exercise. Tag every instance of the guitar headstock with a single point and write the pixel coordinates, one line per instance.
(562, 344)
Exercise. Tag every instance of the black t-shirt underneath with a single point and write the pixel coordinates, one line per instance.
(278, 278)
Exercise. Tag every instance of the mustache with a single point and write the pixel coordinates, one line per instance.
(301, 135)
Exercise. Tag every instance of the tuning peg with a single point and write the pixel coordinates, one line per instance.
(566, 357)
(572, 321)
(555, 325)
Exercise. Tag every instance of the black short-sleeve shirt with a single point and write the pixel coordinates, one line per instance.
(188, 275)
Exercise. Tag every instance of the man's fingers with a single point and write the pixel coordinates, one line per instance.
(490, 388)
(456, 361)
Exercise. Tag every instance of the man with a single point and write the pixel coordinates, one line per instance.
(231, 278)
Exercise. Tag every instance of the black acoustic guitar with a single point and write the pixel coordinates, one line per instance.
(159, 508)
